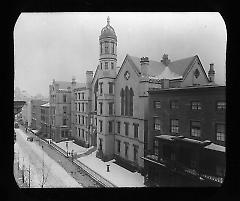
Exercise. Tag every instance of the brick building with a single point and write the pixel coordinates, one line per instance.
(186, 139)
(36, 114)
(45, 124)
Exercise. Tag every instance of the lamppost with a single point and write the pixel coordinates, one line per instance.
(67, 147)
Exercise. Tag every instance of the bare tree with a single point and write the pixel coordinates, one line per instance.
(44, 173)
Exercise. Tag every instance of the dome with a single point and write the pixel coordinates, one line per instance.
(108, 31)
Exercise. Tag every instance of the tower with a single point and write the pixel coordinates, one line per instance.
(105, 97)
(108, 51)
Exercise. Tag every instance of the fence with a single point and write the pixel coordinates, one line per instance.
(89, 171)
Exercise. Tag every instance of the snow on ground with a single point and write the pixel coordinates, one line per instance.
(33, 154)
(118, 175)
(71, 146)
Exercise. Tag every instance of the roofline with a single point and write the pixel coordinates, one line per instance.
(132, 63)
(202, 87)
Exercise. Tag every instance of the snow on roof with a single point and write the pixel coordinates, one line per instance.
(167, 137)
(157, 68)
(215, 147)
(167, 74)
(45, 105)
(192, 140)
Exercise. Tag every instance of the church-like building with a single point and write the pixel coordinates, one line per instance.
(111, 110)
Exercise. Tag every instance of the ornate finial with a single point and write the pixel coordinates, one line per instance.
(108, 20)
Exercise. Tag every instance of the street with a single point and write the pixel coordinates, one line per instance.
(48, 168)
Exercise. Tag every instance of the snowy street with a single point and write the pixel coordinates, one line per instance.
(30, 153)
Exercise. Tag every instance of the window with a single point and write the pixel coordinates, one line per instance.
(82, 107)
(126, 149)
(101, 48)
(157, 104)
(83, 96)
(64, 98)
(135, 126)
(106, 65)
(135, 153)
(221, 105)
(96, 121)
(196, 105)
(79, 132)
(101, 65)
(118, 127)
(100, 143)
(100, 86)
(110, 126)
(62, 134)
(118, 146)
(83, 118)
(155, 147)
(126, 128)
(122, 101)
(220, 132)
(64, 109)
(106, 48)
(112, 65)
(100, 104)
(83, 133)
(157, 124)
(174, 124)
(64, 122)
(110, 87)
(195, 129)
(79, 106)
(110, 107)
(100, 125)
(174, 104)
(79, 96)
(112, 48)
(79, 118)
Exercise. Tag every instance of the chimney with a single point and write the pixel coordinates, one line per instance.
(211, 73)
(165, 83)
(165, 60)
(89, 78)
(74, 81)
(144, 66)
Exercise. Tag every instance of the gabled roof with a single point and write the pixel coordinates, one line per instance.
(156, 68)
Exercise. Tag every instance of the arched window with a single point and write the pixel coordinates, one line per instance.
(131, 102)
(122, 101)
(127, 96)
(106, 48)
(95, 94)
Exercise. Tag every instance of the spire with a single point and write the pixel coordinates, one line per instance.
(108, 20)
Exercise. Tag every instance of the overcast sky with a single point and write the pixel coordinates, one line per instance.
(61, 45)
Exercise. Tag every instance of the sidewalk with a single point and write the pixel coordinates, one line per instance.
(117, 175)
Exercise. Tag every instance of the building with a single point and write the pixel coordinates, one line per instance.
(26, 113)
(45, 123)
(81, 113)
(118, 102)
(36, 114)
(60, 108)
(186, 135)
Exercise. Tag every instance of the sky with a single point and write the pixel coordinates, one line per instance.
(61, 45)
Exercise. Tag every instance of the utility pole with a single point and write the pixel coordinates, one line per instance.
(29, 179)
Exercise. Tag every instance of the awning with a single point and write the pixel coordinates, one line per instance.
(152, 161)
(215, 147)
